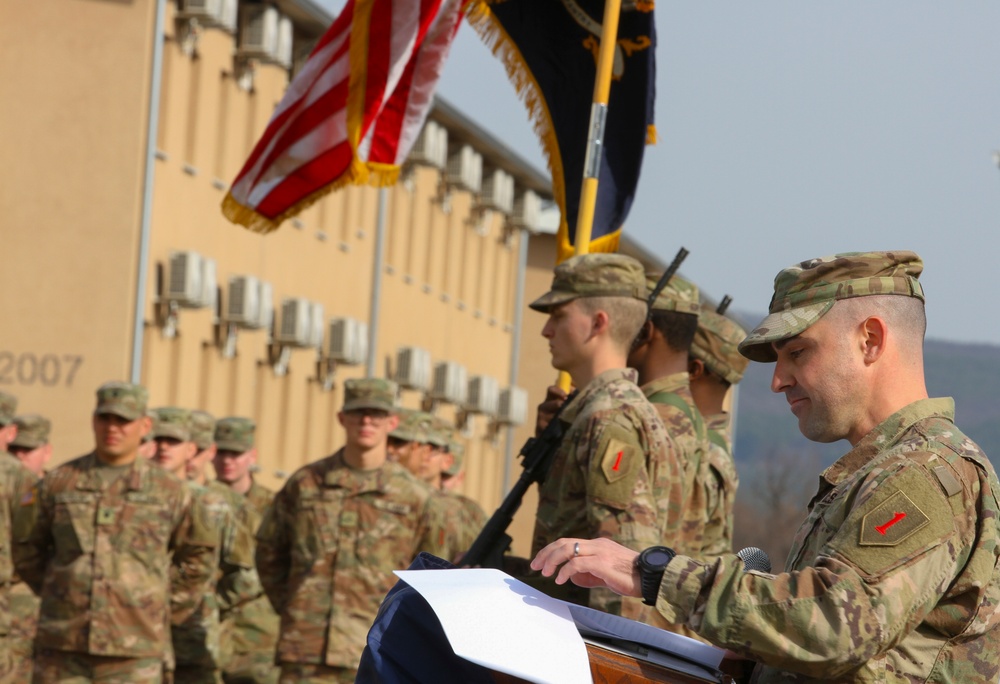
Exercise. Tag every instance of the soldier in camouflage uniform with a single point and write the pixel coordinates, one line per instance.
(97, 539)
(31, 447)
(16, 484)
(614, 474)
(452, 477)
(254, 634)
(893, 576)
(660, 357)
(198, 640)
(715, 366)
(336, 531)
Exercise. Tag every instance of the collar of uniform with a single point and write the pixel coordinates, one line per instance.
(91, 481)
(340, 474)
(573, 408)
(718, 421)
(885, 434)
(668, 383)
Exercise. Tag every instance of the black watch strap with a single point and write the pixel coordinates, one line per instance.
(652, 562)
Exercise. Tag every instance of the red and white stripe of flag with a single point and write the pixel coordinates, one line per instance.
(352, 112)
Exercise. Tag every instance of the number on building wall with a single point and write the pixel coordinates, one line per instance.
(49, 370)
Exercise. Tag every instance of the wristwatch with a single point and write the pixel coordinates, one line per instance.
(651, 564)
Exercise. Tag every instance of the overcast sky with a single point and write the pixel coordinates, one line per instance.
(790, 130)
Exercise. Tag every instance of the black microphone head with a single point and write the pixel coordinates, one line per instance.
(754, 559)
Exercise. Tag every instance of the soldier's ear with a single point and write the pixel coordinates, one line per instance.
(696, 369)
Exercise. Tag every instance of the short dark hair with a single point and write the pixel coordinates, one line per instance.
(677, 328)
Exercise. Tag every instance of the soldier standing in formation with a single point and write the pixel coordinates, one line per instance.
(254, 634)
(96, 540)
(893, 575)
(614, 474)
(31, 447)
(335, 532)
(716, 365)
(16, 489)
(452, 477)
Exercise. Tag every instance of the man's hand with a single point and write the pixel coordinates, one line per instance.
(554, 398)
(591, 563)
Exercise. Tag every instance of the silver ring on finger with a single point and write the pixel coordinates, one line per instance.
(576, 549)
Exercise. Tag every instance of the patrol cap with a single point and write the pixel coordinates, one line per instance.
(677, 295)
(202, 429)
(171, 421)
(8, 407)
(234, 434)
(122, 399)
(715, 343)
(457, 450)
(413, 426)
(594, 275)
(439, 434)
(803, 293)
(371, 393)
(32, 431)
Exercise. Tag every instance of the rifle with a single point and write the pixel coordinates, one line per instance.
(665, 278)
(536, 454)
(724, 304)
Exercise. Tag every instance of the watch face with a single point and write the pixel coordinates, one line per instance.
(657, 557)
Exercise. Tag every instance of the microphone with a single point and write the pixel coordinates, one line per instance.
(754, 559)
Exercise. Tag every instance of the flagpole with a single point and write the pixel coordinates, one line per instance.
(377, 269)
(595, 137)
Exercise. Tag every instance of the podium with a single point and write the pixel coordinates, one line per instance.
(610, 666)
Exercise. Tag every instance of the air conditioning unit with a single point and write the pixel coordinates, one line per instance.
(286, 38)
(348, 341)
(184, 280)
(465, 169)
(484, 395)
(259, 32)
(413, 368)
(527, 212)
(265, 314)
(243, 301)
(317, 319)
(209, 284)
(513, 407)
(498, 191)
(228, 15)
(295, 324)
(209, 12)
(431, 146)
(450, 383)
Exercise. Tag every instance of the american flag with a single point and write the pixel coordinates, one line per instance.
(352, 113)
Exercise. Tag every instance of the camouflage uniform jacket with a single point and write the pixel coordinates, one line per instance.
(614, 475)
(16, 483)
(255, 624)
(197, 638)
(327, 548)
(473, 517)
(721, 483)
(671, 397)
(892, 577)
(99, 556)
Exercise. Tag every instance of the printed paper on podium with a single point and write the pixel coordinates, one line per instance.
(503, 624)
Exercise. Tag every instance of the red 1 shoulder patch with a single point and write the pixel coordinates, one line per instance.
(892, 521)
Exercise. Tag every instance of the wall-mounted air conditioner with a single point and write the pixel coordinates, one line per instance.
(450, 383)
(249, 302)
(498, 191)
(184, 279)
(431, 146)
(413, 368)
(286, 42)
(527, 211)
(347, 342)
(294, 327)
(484, 395)
(513, 406)
(208, 12)
(209, 284)
(259, 32)
(465, 169)
(317, 322)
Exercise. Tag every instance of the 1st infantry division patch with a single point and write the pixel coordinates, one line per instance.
(892, 521)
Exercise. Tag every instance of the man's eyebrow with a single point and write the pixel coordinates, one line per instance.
(779, 344)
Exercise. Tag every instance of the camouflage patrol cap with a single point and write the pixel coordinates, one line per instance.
(594, 275)
(677, 295)
(171, 421)
(32, 431)
(413, 426)
(234, 434)
(122, 399)
(440, 433)
(372, 393)
(457, 451)
(803, 293)
(202, 429)
(715, 343)
(8, 407)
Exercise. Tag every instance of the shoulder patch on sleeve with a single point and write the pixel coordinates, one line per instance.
(617, 461)
(907, 515)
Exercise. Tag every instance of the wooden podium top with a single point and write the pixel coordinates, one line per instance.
(614, 667)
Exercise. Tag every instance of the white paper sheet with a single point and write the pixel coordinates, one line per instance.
(503, 624)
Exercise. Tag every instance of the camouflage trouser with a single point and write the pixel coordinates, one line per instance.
(251, 668)
(65, 667)
(22, 661)
(308, 673)
(5, 664)
(196, 674)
